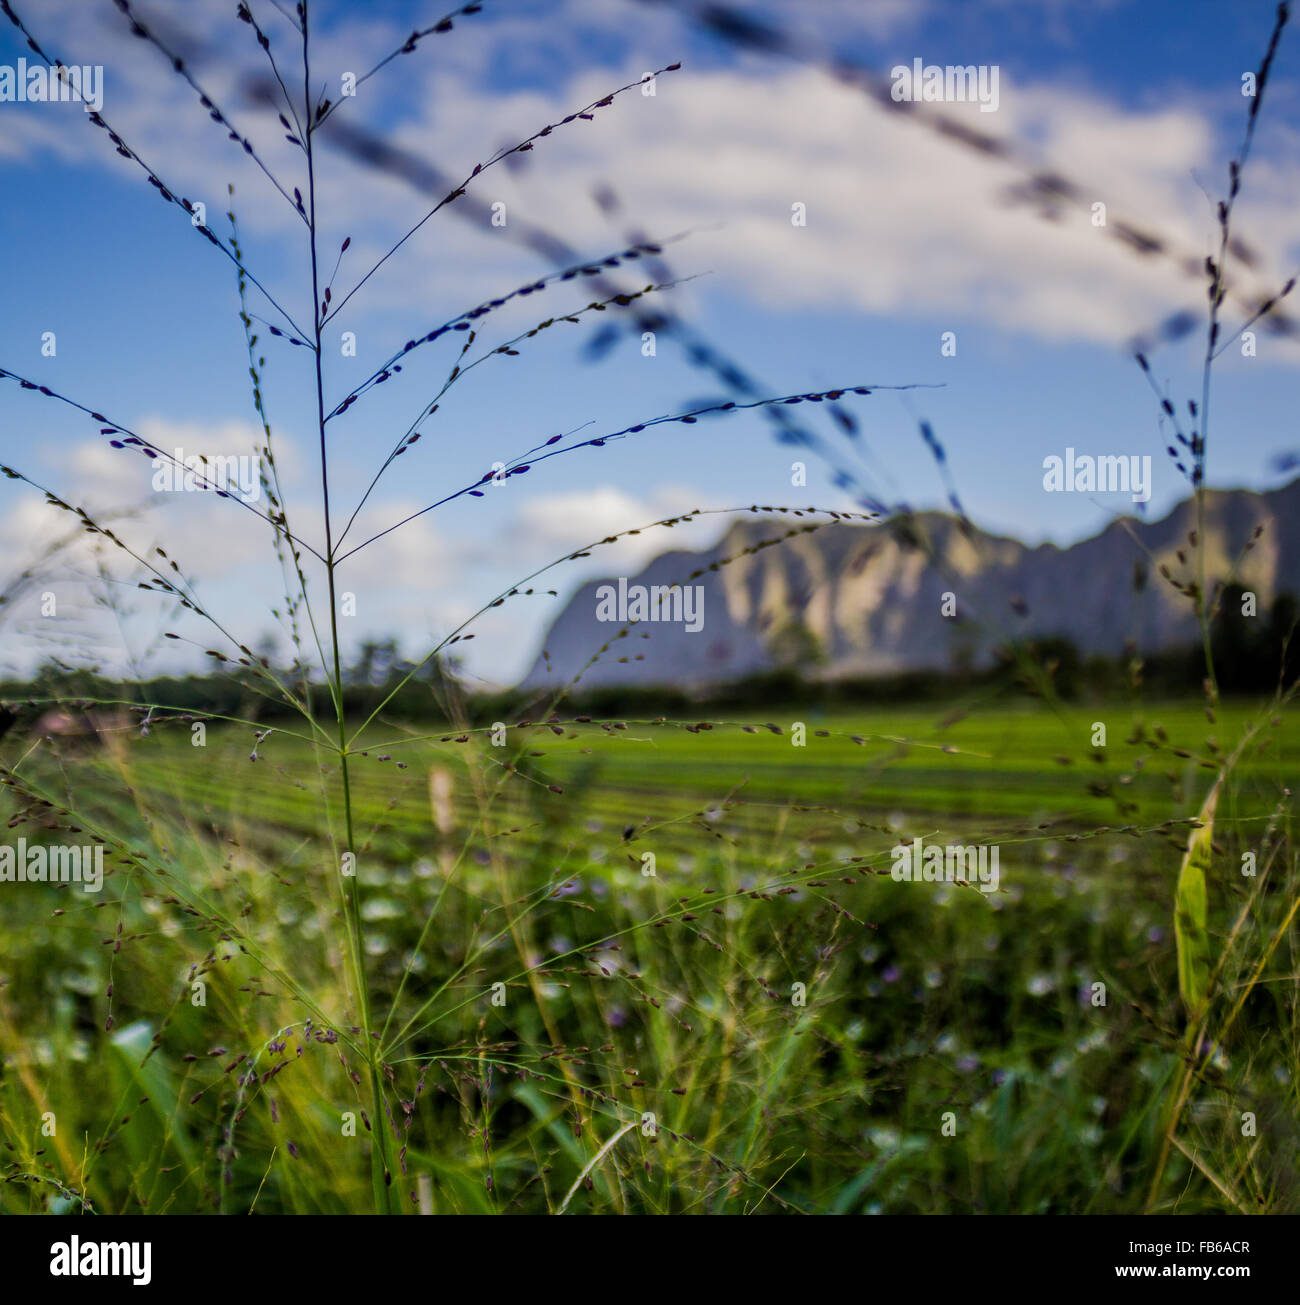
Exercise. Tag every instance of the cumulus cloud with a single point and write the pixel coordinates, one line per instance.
(554, 523)
(212, 541)
(900, 222)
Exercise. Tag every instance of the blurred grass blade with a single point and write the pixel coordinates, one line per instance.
(593, 1162)
(1190, 933)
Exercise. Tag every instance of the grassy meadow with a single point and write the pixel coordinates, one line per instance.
(565, 1023)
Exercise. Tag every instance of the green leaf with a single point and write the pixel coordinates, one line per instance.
(1190, 933)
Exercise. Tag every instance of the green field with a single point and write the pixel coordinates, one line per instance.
(767, 1021)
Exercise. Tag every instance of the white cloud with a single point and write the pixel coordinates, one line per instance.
(557, 522)
(901, 223)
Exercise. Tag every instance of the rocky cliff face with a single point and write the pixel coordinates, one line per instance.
(858, 600)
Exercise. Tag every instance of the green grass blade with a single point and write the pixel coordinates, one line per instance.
(1190, 901)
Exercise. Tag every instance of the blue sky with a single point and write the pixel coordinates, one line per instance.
(907, 236)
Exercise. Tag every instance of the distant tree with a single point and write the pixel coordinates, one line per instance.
(375, 661)
(795, 647)
(1252, 652)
